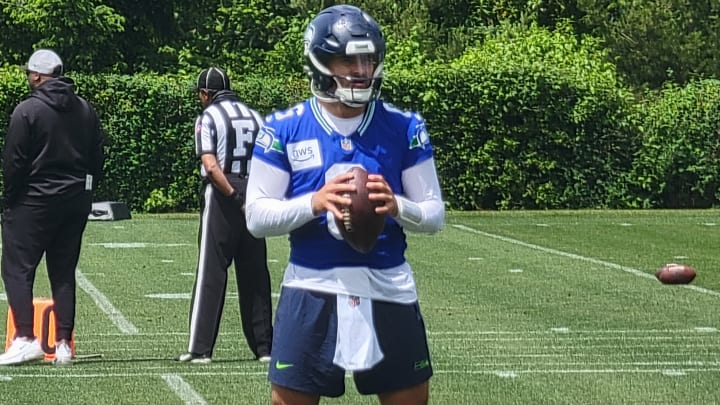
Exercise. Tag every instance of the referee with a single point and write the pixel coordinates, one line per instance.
(224, 137)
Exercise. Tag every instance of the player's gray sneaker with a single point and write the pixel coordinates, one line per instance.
(193, 358)
(22, 350)
(63, 354)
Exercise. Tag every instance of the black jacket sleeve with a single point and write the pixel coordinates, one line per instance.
(16, 164)
(96, 155)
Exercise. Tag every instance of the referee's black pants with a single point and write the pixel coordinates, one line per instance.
(52, 226)
(224, 238)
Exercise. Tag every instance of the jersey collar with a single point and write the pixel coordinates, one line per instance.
(364, 124)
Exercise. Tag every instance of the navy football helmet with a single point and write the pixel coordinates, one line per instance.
(344, 33)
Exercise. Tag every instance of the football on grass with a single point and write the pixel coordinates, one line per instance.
(675, 274)
(360, 226)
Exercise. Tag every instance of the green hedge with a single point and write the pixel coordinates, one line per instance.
(678, 165)
(151, 163)
(531, 119)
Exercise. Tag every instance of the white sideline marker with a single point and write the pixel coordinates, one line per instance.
(136, 245)
(186, 296)
(183, 390)
(178, 296)
(105, 305)
(3, 297)
(506, 374)
(556, 252)
(4, 378)
(515, 270)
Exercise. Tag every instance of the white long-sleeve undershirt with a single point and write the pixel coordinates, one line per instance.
(269, 213)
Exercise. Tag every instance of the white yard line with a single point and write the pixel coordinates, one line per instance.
(263, 374)
(677, 372)
(105, 305)
(571, 338)
(626, 269)
(183, 390)
(36, 374)
(136, 245)
(691, 331)
(574, 332)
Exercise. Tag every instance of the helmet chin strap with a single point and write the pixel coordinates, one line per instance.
(350, 103)
(345, 95)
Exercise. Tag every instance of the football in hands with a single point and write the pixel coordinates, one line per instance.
(675, 274)
(360, 226)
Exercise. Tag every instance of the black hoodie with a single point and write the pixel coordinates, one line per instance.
(53, 141)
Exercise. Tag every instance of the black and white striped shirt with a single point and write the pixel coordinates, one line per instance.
(227, 128)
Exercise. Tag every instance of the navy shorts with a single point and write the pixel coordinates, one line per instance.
(304, 346)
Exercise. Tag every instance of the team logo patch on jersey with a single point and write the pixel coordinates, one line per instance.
(421, 138)
(267, 141)
(198, 128)
(304, 155)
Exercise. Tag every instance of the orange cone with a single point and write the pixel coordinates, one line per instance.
(44, 327)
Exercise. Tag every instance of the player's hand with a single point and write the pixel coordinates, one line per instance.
(330, 196)
(238, 199)
(379, 190)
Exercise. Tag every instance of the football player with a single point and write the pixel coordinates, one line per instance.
(341, 309)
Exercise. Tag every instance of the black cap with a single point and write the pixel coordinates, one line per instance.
(213, 79)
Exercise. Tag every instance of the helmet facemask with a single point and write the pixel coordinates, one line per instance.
(352, 80)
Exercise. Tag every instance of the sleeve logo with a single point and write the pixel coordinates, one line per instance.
(421, 137)
(267, 141)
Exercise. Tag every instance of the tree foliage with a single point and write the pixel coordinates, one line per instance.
(657, 41)
(651, 42)
(82, 32)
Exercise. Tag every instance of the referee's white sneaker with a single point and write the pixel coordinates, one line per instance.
(63, 354)
(193, 358)
(22, 350)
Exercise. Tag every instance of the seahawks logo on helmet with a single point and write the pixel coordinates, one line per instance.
(309, 34)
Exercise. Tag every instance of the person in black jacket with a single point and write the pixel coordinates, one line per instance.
(52, 159)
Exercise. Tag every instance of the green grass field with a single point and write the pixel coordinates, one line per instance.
(557, 307)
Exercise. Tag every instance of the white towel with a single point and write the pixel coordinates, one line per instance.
(356, 347)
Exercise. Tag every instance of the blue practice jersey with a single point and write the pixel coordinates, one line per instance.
(302, 143)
